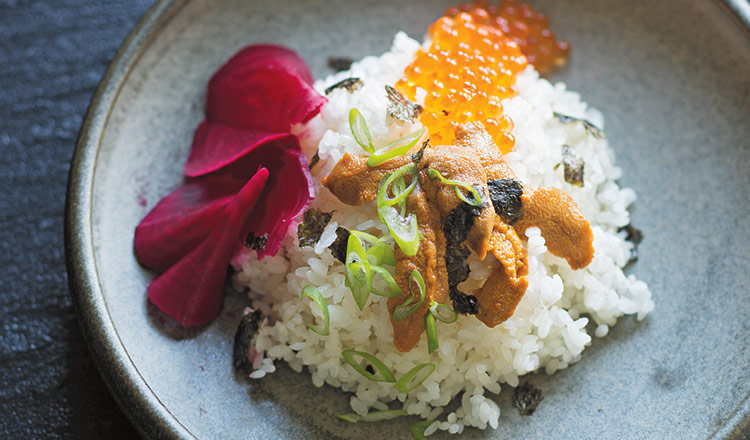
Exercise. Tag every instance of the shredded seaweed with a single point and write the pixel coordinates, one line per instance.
(339, 64)
(635, 236)
(315, 159)
(416, 157)
(456, 228)
(463, 303)
(243, 341)
(338, 247)
(526, 397)
(592, 129)
(506, 199)
(459, 221)
(401, 108)
(350, 84)
(572, 166)
(455, 262)
(314, 221)
(256, 243)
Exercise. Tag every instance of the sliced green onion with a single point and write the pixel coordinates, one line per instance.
(404, 310)
(351, 418)
(395, 183)
(414, 377)
(358, 271)
(373, 416)
(418, 429)
(361, 133)
(432, 339)
(403, 230)
(476, 200)
(381, 251)
(313, 293)
(377, 364)
(394, 291)
(443, 312)
(396, 148)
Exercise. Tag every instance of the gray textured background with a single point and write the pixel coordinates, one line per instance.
(52, 55)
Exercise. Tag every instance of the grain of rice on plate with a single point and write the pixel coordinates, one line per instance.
(547, 331)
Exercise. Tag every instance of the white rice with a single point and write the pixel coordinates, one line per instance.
(549, 328)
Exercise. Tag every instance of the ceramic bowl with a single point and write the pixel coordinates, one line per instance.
(673, 81)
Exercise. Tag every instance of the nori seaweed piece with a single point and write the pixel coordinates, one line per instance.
(401, 108)
(456, 228)
(506, 199)
(243, 341)
(572, 166)
(350, 84)
(635, 236)
(338, 247)
(632, 234)
(314, 221)
(463, 303)
(256, 243)
(459, 221)
(526, 397)
(339, 64)
(592, 129)
(315, 159)
(416, 157)
(455, 262)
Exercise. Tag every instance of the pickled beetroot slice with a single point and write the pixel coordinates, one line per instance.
(217, 145)
(251, 105)
(191, 291)
(182, 220)
(289, 190)
(263, 87)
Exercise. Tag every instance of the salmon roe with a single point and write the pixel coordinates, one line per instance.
(469, 68)
(527, 27)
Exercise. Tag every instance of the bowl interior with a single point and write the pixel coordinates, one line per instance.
(672, 81)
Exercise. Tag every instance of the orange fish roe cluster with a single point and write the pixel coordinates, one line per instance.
(467, 71)
(527, 27)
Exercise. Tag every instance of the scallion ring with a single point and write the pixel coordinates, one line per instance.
(418, 429)
(361, 133)
(394, 291)
(432, 339)
(358, 277)
(403, 230)
(377, 364)
(476, 200)
(395, 183)
(396, 148)
(443, 312)
(381, 251)
(405, 310)
(373, 416)
(313, 293)
(414, 377)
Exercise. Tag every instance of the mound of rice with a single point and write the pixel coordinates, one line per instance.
(547, 331)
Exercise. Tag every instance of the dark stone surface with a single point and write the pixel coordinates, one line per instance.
(52, 56)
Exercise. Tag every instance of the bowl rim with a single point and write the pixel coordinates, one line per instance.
(150, 417)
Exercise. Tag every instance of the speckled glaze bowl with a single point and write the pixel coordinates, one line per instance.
(673, 81)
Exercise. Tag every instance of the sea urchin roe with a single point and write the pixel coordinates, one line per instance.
(450, 228)
(467, 71)
(524, 25)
